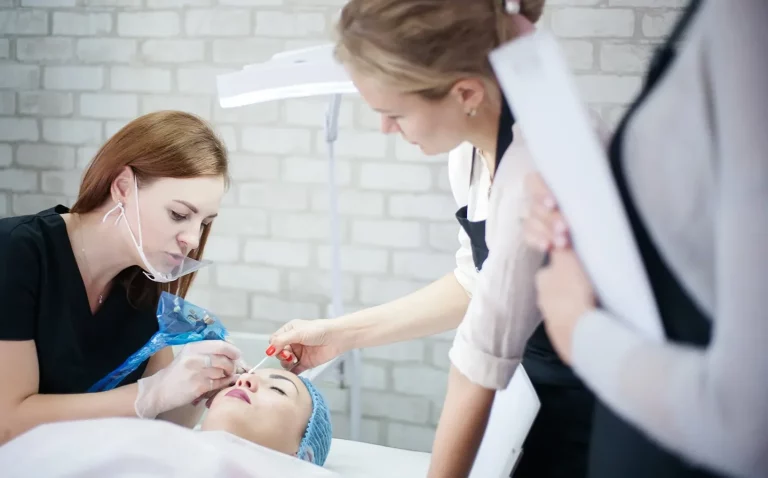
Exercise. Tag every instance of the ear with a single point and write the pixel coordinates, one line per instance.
(123, 185)
(469, 93)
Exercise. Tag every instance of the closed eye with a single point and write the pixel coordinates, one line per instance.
(278, 390)
(177, 217)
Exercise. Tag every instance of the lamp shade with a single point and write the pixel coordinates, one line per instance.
(291, 74)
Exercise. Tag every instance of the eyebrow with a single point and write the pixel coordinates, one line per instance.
(192, 207)
(283, 377)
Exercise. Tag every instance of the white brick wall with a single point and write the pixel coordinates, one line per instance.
(73, 72)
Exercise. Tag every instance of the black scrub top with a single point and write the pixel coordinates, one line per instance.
(44, 299)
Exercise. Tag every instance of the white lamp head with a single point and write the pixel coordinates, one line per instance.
(291, 74)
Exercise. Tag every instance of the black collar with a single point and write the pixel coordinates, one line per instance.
(504, 136)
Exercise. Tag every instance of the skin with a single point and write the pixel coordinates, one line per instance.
(167, 226)
(276, 417)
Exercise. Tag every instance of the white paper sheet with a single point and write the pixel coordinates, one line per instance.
(544, 99)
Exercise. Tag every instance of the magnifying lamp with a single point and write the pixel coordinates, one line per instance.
(296, 74)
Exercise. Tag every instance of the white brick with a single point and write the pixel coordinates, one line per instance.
(290, 25)
(107, 50)
(574, 3)
(44, 49)
(101, 105)
(261, 279)
(608, 88)
(148, 24)
(440, 355)
(614, 114)
(19, 77)
(365, 117)
(314, 284)
(223, 302)
(7, 103)
(374, 291)
(61, 182)
(219, 23)
(277, 253)
(593, 22)
(658, 24)
(277, 310)
(24, 204)
(443, 179)
(247, 167)
(112, 3)
(85, 155)
(222, 249)
(648, 3)
(276, 140)
(178, 3)
(252, 3)
(241, 221)
(46, 103)
(302, 226)
(395, 407)
(311, 112)
(259, 113)
(245, 51)
(419, 380)
(173, 51)
(351, 202)
(387, 233)
(200, 106)
(5, 48)
(73, 78)
(427, 206)
(49, 3)
(5, 210)
(355, 259)
(625, 57)
(18, 180)
(444, 237)
(315, 171)
(155, 80)
(355, 144)
(410, 437)
(228, 134)
(423, 265)
(580, 54)
(434, 414)
(337, 399)
(82, 24)
(274, 196)
(6, 155)
(23, 22)
(111, 128)
(71, 131)
(199, 80)
(370, 430)
(374, 377)
(395, 177)
(45, 156)
(203, 277)
(18, 129)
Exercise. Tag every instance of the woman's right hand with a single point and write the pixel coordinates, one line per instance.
(312, 342)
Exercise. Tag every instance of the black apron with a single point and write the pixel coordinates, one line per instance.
(558, 443)
(618, 448)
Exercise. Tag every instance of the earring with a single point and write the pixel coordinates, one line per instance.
(472, 112)
(512, 7)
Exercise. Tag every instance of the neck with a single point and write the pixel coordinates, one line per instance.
(485, 129)
(101, 247)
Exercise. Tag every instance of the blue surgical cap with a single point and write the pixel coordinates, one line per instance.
(316, 442)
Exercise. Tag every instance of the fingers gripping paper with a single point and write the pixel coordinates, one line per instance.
(536, 81)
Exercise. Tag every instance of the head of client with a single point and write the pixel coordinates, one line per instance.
(275, 409)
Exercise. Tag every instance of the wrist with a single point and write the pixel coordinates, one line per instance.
(352, 331)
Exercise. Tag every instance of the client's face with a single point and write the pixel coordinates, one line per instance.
(269, 407)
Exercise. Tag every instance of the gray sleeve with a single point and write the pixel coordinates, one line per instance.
(710, 405)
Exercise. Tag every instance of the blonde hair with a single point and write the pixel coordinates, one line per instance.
(425, 46)
(164, 144)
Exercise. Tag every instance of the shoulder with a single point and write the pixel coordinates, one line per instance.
(24, 238)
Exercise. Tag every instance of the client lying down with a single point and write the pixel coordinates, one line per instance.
(254, 428)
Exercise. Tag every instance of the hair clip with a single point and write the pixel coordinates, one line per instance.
(512, 7)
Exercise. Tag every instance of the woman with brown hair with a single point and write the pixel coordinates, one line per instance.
(423, 65)
(76, 301)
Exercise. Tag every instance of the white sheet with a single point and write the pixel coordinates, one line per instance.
(130, 447)
(352, 459)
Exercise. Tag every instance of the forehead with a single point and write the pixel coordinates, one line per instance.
(187, 186)
(377, 94)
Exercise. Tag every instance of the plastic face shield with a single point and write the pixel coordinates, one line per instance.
(159, 266)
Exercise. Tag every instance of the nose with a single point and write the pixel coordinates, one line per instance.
(189, 239)
(248, 381)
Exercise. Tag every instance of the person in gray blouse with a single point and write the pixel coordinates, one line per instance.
(690, 160)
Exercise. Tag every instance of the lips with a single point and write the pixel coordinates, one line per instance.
(240, 394)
